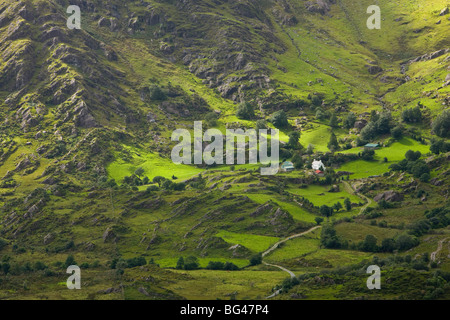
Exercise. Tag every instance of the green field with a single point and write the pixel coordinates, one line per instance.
(255, 243)
(153, 164)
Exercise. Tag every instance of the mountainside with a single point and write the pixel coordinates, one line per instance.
(86, 120)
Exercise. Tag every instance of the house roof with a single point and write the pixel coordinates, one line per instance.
(287, 165)
(372, 145)
(318, 171)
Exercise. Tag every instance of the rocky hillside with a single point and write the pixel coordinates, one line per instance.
(82, 110)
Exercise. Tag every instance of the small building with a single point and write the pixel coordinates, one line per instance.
(318, 165)
(372, 146)
(287, 166)
(319, 173)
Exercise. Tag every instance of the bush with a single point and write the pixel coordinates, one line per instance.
(3, 244)
(256, 260)
(191, 263)
(245, 111)
(405, 242)
(157, 94)
(413, 115)
(441, 126)
(215, 265)
(329, 238)
(279, 119)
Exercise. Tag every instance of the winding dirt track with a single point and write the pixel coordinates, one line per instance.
(439, 248)
(275, 246)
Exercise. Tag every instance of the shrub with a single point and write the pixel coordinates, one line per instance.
(441, 126)
(256, 260)
(245, 111)
(279, 119)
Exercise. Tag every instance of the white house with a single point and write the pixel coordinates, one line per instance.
(318, 165)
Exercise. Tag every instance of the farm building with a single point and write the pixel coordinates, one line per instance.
(372, 146)
(319, 173)
(318, 165)
(287, 166)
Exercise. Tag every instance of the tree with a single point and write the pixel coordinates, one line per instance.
(405, 242)
(419, 169)
(320, 115)
(6, 267)
(215, 265)
(410, 155)
(383, 124)
(333, 144)
(425, 177)
(180, 263)
(316, 100)
(329, 238)
(350, 121)
(294, 138)
(256, 259)
(337, 206)
(245, 111)
(3, 243)
(368, 155)
(158, 180)
(229, 266)
(157, 94)
(326, 211)
(369, 244)
(167, 185)
(70, 261)
(191, 263)
(279, 119)
(297, 160)
(348, 204)
(441, 126)
(397, 132)
(260, 125)
(139, 171)
(387, 245)
(438, 146)
(413, 115)
(369, 132)
(318, 220)
(334, 122)
(310, 149)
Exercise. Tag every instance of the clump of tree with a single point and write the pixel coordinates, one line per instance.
(297, 160)
(294, 142)
(198, 183)
(127, 263)
(379, 124)
(334, 121)
(330, 240)
(217, 265)
(190, 263)
(256, 259)
(368, 155)
(333, 144)
(157, 94)
(403, 242)
(413, 115)
(413, 165)
(350, 120)
(439, 146)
